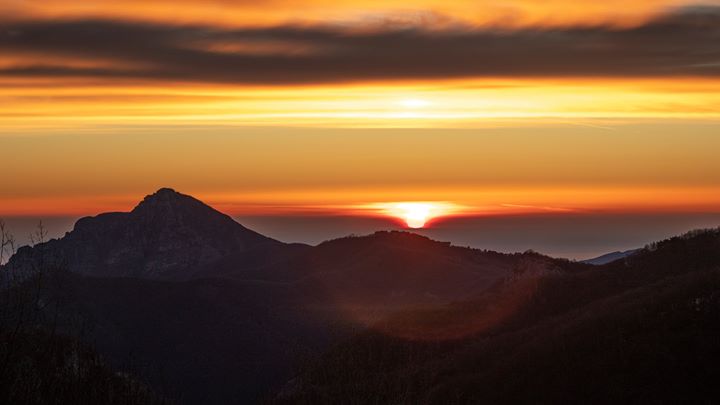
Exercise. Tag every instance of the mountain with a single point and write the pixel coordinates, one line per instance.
(204, 310)
(610, 257)
(172, 236)
(208, 311)
(167, 236)
(639, 330)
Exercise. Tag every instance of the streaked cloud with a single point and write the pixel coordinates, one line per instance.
(683, 43)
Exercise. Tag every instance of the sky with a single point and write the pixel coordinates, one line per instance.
(537, 121)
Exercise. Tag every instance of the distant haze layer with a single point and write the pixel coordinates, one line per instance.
(559, 235)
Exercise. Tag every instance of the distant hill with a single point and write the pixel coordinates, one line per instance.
(610, 257)
(373, 275)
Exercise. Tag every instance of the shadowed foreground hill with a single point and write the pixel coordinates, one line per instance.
(211, 341)
(201, 341)
(39, 368)
(641, 330)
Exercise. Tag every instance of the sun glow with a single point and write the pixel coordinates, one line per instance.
(415, 214)
(414, 103)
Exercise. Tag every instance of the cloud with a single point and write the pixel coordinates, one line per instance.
(681, 43)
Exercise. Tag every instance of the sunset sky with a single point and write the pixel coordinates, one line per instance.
(281, 110)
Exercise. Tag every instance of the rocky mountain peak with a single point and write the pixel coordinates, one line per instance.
(167, 235)
(167, 199)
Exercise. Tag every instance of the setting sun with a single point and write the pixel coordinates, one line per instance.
(415, 214)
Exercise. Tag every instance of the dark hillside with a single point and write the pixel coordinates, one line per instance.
(644, 330)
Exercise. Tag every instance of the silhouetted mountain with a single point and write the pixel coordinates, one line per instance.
(642, 330)
(211, 312)
(255, 307)
(610, 257)
(167, 236)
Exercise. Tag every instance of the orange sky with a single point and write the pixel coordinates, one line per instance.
(278, 106)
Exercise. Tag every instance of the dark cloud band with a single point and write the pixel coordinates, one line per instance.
(683, 43)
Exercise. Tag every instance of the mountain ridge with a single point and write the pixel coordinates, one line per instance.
(184, 287)
(168, 235)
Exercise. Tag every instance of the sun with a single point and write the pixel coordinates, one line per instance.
(415, 214)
